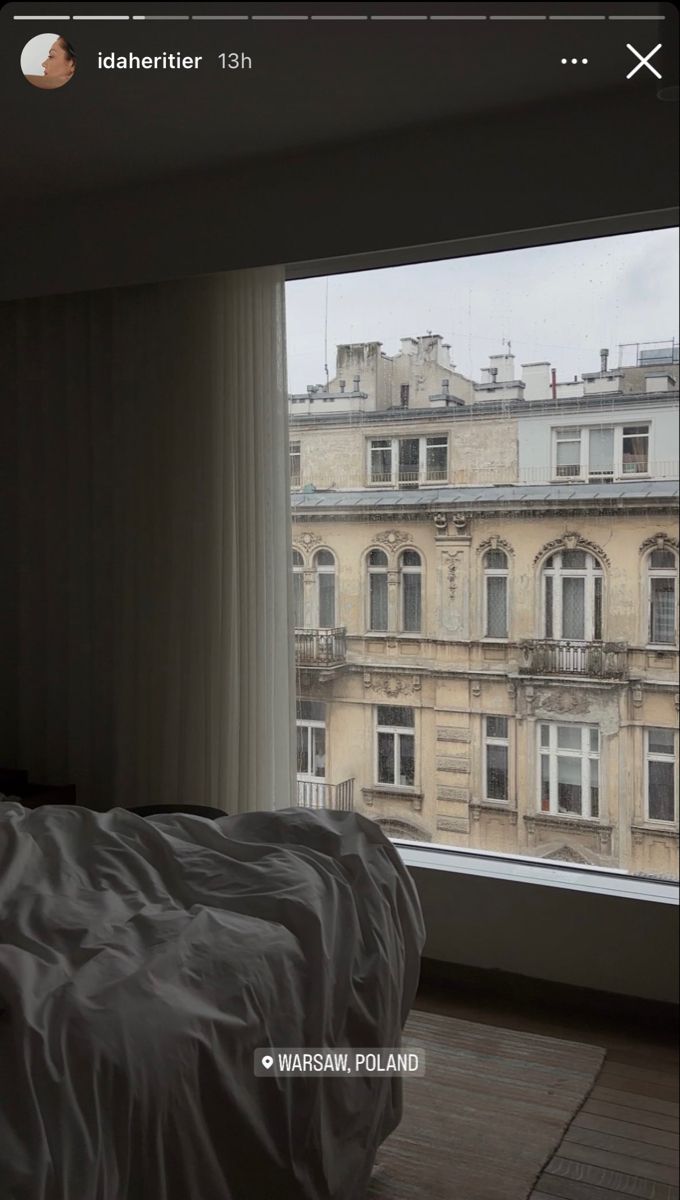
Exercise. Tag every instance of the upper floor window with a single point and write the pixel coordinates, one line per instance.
(662, 778)
(662, 574)
(495, 594)
(569, 769)
(572, 596)
(377, 591)
(408, 461)
(600, 452)
(496, 758)
(410, 568)
(294, 464)
(298, 590)
(324, 565)
(395, 745)
(311, 739)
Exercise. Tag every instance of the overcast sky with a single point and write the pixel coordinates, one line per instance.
(558, 303)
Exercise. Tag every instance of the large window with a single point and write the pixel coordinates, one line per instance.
(396, 742)
(324, 566)
(495, 594)
(410, 570)
(311, 739)
(569, 769)
(377, 591)
(298, 590)
(600, 452)
(496, 758)
(408, 461)
(572, 597)
(662, 575)
(662, 777)
(294, 464)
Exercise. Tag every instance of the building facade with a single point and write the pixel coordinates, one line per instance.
(486, 614)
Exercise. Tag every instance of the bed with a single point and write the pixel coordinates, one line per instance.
(142, 961)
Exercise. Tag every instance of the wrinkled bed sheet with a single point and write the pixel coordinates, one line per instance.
(141, 963)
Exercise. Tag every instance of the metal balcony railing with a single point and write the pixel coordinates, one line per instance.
(603, 660)
(320, 647)
(312, 793)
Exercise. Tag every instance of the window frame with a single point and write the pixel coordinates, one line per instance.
(295, 451)
(409, 570)
(582, 436)
(425, 478)
(584, 754)
(489, 740)
(590, 573)
(495, 573)
(652, 573)
(656, 756)
(396, 732)
(369, 571)
(318, 572)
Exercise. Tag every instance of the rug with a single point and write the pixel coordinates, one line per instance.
(487, 1115)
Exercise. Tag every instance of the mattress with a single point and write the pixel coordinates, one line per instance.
(142, 962)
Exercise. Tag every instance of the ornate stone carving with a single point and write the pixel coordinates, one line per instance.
(476, 689)
(495, 542)
(566, 854)
(450, 560)
(460, 522)
(306, 541)
(392, 685)
(392, 539)
(636, 692)
(659, 541)
(441, 522)
(572, 541)
(563, 701)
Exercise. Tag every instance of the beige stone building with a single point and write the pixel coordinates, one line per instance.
(486, 606)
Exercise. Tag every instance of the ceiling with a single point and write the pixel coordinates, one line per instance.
(313, 83)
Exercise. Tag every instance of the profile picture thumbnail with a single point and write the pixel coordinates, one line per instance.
(48, 61)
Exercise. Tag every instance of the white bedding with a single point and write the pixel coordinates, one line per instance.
(141, 963)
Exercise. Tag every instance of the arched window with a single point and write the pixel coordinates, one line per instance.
(572, 597)
(298, 590)
(410, 578)
(495, 594)
(377, 591)
(324, 565)
(662, 575)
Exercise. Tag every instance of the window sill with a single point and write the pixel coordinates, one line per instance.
(385, 791)
(606, 881)
(656, 828)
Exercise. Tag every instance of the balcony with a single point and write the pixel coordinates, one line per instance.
(320, 647)
(313, 793)
(601, 660)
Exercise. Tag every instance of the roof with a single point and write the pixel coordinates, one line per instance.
(640, 491)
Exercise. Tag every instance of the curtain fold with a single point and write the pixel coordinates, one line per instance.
(145, 647)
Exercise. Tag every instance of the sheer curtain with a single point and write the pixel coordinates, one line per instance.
(147, 596)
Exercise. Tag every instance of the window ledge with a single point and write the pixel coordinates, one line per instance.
(606, 881)
(657, 829)
(385, 792)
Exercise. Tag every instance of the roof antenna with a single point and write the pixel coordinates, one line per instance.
(325, 338)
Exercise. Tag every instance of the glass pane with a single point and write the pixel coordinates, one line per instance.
(574, 560)
(594, 740)
(568, 785)
(411, 600)
(569, 737)
(378, 601)
(496, 607)
(407, 747)
(594, 788)
(661, 741)
(381, 462)
(319, 751)
(436, 458)
(662, 560)
(497, 772)
(303, 749)
(569, 458)
(408, 460)
(545, 783)
(297, 559)
(311, 710)
(601, 459)
(395, 714)
(386, 758)
(635, 449)
(377, 558)
(545, 735)
(549, 606)
(597, 608)
(326, 599)
(324, 558)
(573, 608)
(497, 727)
(662, 622)
(495, 560)
(661, 786)
(298, 600)
(410, 558)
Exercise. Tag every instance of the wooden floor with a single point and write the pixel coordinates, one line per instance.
(623, 1141)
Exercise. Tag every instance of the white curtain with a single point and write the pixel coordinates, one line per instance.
(146, 602)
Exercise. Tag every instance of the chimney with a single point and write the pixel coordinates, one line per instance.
(357, 381)
(553, 382)
(342, 383)
(604, 355)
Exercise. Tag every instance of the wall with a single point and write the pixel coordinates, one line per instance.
(625, 946)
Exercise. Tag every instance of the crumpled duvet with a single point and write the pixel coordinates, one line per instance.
(142, 961)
